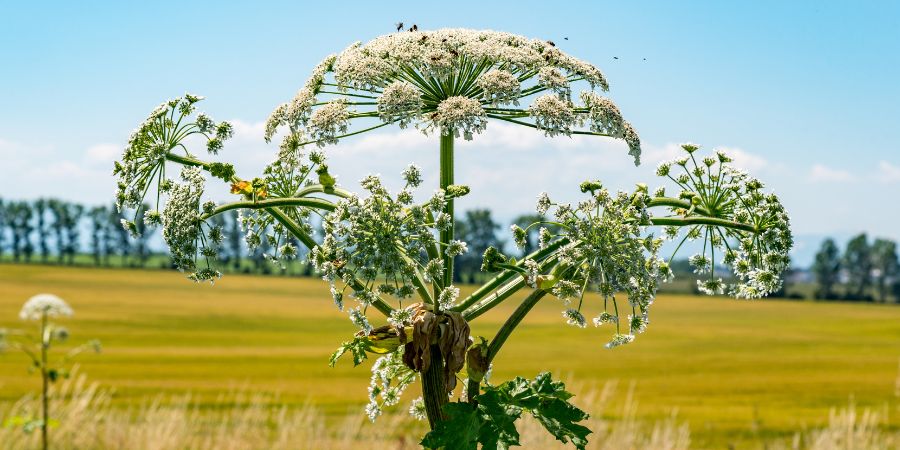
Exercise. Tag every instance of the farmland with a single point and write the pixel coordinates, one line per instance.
(735, 371)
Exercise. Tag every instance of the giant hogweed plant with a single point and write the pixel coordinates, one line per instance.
(388, 257)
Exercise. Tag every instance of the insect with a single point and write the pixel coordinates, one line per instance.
(399, 26)
(414, 28)
(566, 38)
(552, 44)
(615, 57)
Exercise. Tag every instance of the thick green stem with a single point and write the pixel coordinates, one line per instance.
(513, 321)
(447, 180)
(699, 220)
(434, 392)
(506, 275)
(308, 202)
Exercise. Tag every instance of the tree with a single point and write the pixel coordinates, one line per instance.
(73, 214)
(3, 226)
(42, 229)
(886, 266)
(20, 215)
(858, 264)
(826, 269)
(479, 230)
(98, 217)
(58, 209)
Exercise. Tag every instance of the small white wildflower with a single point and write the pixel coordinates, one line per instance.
(543, 203)
(400, 317)
(711, 286)
(553, 115)
(637, 324)
(45, 304)
(413, 175)
(533, 270)
(400, 101)
(417, 409)
(448, 296)
(328, 121)
(456, 248)
(575, 318)
(459, 114)
(620, 339)
(500, 86)
(605, 317)
(544, 237)
(373, 411)
(553, 79)
(566, 290)
(360, 320)
(520, 237)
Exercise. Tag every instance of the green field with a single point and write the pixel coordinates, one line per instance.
(735, 371)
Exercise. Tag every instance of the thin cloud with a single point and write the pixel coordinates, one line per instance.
(888, 173)
(823, 174)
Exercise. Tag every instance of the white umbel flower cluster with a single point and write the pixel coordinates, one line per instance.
(327, 122)
(757, 254)
(500, 87)
(459, 114)
(41, 305)
(450, 80)
(607, 250)
(553, 114)
(400, 102)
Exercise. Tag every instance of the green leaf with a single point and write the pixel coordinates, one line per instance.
(459, 432)
(498, 430)
(547, 401)
(357, 347)
(492, 422)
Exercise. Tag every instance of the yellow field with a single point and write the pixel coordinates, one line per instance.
(735, 371)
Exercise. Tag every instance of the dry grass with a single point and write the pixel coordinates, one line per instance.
(88, 421)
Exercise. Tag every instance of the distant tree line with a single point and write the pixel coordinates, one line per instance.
(54, 231)
(863, 272)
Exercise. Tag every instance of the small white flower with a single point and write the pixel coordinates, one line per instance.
(574, 318)
(45, 304)
(543, 203)
(459, 114)
(456, 248)
(620, 339)
(417, 409)
(553, 115)
(448, 296)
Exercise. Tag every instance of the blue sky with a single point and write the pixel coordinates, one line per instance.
(806, 93)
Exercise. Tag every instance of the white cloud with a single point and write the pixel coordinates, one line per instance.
(746, 160)
(824, 174)
(888, 173)
(103, 154)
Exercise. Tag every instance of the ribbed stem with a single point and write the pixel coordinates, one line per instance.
(433, 391)
(446, 180)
